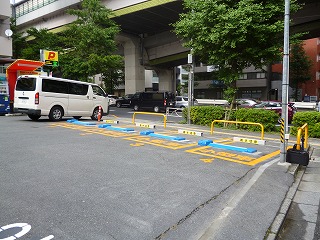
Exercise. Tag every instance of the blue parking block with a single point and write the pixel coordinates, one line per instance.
(104, 125)
(152, 134)
(204, 142)
(120, 129)
(147, 132)
(172, 138)
(74, 121)
(224, 146)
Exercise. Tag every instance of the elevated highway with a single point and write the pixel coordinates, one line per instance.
(146, 40)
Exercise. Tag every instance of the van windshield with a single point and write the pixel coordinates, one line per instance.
(26, 84)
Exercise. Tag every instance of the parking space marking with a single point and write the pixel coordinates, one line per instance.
(224, 140)
(161, 142)
(94, 130)
(207, 151)
(228, 156)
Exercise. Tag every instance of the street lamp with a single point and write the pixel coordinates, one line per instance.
(284, 135)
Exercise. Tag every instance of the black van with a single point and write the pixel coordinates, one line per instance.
(154, 101)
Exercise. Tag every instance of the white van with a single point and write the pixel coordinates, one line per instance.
(56, 97)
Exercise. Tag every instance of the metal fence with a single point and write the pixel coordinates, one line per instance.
(30, 6)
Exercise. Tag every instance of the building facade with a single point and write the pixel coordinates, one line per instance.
(5, 32)
(311, 87)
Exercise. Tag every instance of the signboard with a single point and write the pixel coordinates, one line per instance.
(49, 57)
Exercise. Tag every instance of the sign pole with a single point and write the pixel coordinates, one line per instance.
(285, 83)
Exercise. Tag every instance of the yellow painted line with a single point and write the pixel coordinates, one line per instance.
(224, 141)
(207, 160)
(91, 130)
(233, 157)
(160, 142)
(136, 144)
(266, 157)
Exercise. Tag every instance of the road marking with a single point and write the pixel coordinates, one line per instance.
(207, 160)
(160, 142)
(136, 144)
(212, 230)
(25, 229)
(232, 157)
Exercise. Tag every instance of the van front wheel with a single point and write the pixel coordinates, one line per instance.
(156, 109)
(95, 114)
(56, 113)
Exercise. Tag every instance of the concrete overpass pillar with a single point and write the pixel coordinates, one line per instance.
(134, 72)
(166, 80)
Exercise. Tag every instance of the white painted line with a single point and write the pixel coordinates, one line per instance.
(25, 229)
(210, 232)
(47, 238)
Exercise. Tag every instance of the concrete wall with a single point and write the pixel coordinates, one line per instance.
(5, 41)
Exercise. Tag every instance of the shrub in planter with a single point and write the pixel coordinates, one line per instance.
(204, 115)
(266, 117)
(312, 118)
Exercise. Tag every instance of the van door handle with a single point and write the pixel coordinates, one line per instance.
(94, 97)
(87, 97)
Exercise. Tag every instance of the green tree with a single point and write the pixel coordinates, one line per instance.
(90, 45)
(36, 40)
(300, 65)
(233, 34)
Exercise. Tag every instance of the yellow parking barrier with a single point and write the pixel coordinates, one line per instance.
(237, 122)
(147, 113)
(305, 142)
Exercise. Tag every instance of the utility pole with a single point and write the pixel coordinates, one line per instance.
(190, 85)
(284, 135)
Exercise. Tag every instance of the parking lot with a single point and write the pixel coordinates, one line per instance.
(119, 180)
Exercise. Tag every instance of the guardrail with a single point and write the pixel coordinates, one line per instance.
(148, 113)
(237, 122)
(305, 139)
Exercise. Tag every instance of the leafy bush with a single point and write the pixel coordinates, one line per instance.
(312, 118)
(204, 115)
(265, 117)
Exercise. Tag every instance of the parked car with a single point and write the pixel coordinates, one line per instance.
(182, 102)
(277, 107)
(112, 100)
(246, 102)
(124, 101)
(155, 101)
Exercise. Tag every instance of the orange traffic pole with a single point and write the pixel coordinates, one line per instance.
(99, 114)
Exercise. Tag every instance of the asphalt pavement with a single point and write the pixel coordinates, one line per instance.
(271, 201)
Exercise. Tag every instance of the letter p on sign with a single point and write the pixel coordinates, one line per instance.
(51, 56)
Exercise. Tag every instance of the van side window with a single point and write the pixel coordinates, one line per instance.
(49, 85)
(78, 89)
(157, 96)
(98, 91)
(26, 84)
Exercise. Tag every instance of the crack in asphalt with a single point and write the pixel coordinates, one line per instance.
(173, 227)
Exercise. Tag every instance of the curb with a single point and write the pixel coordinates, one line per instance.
(277, 224)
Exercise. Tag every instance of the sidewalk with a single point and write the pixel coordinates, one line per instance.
(301, 219)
